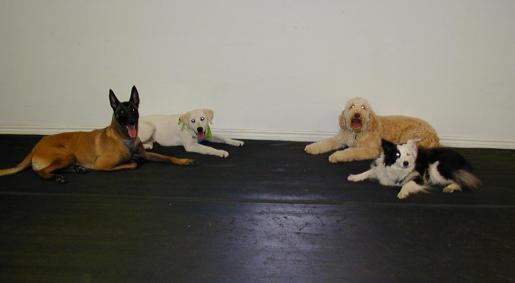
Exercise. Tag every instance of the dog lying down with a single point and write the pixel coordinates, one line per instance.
(188, 129)
(415, 170)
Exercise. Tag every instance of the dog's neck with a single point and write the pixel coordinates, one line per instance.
(118, 130)
(398, 175)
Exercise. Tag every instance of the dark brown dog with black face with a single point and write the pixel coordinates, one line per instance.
(112, 148)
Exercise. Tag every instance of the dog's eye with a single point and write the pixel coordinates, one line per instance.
(192, 120)
(363, 107)
(397, 155)
(202, 119)
(352, 106)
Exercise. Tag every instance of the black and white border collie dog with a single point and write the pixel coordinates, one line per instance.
(415, 170)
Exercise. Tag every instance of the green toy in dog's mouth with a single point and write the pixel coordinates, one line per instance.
(203, 135)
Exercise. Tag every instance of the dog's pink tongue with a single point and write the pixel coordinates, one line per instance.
(356, 124)
(132, 131)
(200, 136)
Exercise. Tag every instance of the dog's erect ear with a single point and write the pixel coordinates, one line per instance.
(387, 145)
(113, 100)
(342, 120)
(210, 114)
(134, 97)
(413, 142)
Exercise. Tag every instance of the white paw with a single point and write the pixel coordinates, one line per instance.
(222, 153)
(353, 178)
(148, 145)
(237, 143)
(451, 188)
(403, 194)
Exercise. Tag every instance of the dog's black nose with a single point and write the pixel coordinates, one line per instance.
(200, 130)
(357, 115)
(405, 163)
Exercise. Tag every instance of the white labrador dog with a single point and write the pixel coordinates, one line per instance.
(188, 130)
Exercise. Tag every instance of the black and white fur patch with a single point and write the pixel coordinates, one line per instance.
(393, 167)
(416, 169)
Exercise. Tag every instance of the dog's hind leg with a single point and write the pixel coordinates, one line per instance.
(62, 162)
(146, 134)
(451, 188)
(75, 168)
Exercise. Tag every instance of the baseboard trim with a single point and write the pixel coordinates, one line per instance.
(281, 135)
(308, 136)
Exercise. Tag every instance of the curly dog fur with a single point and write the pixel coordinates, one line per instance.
(361, 131)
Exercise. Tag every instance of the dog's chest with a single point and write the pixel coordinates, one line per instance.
(351, 139)
(390, 176)
(130, 145)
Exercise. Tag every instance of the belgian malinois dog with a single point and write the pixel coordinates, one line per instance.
(115, 147)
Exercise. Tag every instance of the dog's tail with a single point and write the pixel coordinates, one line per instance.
(24, 164)
(466, 179)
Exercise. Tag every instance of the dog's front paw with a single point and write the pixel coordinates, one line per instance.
(353, 178)
(338, 156)
(222, 153)
(236, 143)
(403, 194)
(313, 149)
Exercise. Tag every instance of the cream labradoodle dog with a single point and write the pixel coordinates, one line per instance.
(361, 133)
(188, 129)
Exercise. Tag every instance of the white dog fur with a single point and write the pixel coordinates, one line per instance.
(181, 129)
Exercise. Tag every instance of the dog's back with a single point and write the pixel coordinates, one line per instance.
(163, 129)
(440, 166)
(399, 129)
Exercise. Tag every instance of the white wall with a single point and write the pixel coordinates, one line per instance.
(269, 68)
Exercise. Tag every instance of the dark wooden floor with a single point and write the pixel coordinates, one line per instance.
(268, 213)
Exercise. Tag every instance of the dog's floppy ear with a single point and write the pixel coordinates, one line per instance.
(341, 119)
(113, 100)
(209, 113)
(184, 118)
(134, 96)
(373, 121)
(387, 146)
